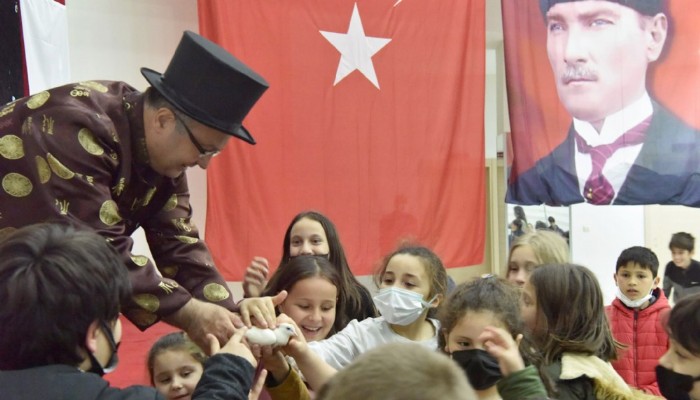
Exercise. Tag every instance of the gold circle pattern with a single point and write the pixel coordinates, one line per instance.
(17, 185)
(215, 292)
(89, 143)
(11, 147)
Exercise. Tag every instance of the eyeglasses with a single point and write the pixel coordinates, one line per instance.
(203, 153)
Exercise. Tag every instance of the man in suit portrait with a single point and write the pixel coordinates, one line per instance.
(622, 147)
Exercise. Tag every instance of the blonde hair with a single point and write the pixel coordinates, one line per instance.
(399, 371)
(548, 247)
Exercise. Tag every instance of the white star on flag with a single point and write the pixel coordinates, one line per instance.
(356, 49)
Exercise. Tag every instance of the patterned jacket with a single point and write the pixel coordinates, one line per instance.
(77, 154)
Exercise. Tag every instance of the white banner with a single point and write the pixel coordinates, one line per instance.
(45, 33)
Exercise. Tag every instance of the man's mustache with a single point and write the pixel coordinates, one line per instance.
(578, 73)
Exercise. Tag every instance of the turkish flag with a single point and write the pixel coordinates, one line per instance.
(374, 117)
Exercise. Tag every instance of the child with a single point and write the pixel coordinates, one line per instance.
(175, 364)
(399, 371)
(532, 250)
(634, 317)
(463, 317)
(678, 372)
(562, 308)
(315, 292)
(311, 232)
(69, 338)
(411, 281)
(682, 275)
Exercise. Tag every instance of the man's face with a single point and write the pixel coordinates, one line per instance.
(599, 52)
(172, 149)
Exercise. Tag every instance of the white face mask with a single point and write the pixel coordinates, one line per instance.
(632, 303)
(400, 306)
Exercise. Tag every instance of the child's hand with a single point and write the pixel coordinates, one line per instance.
(297, 346)
(500, 344)
(262, 309)
(255, 277)
(273, 360)
(234, 346)
(257, 388)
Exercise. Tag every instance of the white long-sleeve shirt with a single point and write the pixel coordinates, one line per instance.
(358, 337)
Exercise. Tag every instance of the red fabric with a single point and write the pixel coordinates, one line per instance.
(645, 338)
(538, 120)
(404, 160)
(133, 352)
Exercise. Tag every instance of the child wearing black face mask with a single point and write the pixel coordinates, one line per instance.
(678, 372)
(472, 307)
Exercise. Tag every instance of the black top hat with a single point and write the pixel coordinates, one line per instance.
(209, 84)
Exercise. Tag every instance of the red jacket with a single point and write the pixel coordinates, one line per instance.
(645, 338)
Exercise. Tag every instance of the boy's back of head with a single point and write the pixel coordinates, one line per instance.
(641, 256)
(56, 281)
(682, 241)
(402, 371)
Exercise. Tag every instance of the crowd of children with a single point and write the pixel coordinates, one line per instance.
(542, 331)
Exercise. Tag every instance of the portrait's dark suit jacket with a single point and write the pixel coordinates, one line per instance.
(666, 171)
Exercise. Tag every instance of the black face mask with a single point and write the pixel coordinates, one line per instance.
(674, 386)
(481, 367)
(95, 366)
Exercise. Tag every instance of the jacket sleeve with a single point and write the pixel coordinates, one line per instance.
(225, 377)
(291, 388)
(575, 389)
(522, 385)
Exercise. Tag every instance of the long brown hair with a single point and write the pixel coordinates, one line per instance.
(570, 313)
(353, 308)
(310, 266)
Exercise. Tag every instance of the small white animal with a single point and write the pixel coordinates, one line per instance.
(275, 337)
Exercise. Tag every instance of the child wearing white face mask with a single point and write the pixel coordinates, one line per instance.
(635, 318)
(411, 280)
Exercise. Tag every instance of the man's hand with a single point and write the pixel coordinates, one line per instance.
(234, 346)
(198, 318)
(262, 309)
(255, 277)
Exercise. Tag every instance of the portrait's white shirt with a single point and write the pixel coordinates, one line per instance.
(619, 164)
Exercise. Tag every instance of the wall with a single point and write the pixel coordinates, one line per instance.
(113, 39)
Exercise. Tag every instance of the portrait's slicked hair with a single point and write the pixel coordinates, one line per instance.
(570, 313)
(56, 281)
(639, 255)
(310, 266)
(644, 7)
(353, 306)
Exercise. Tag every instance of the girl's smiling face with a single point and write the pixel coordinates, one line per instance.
(311, 303)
